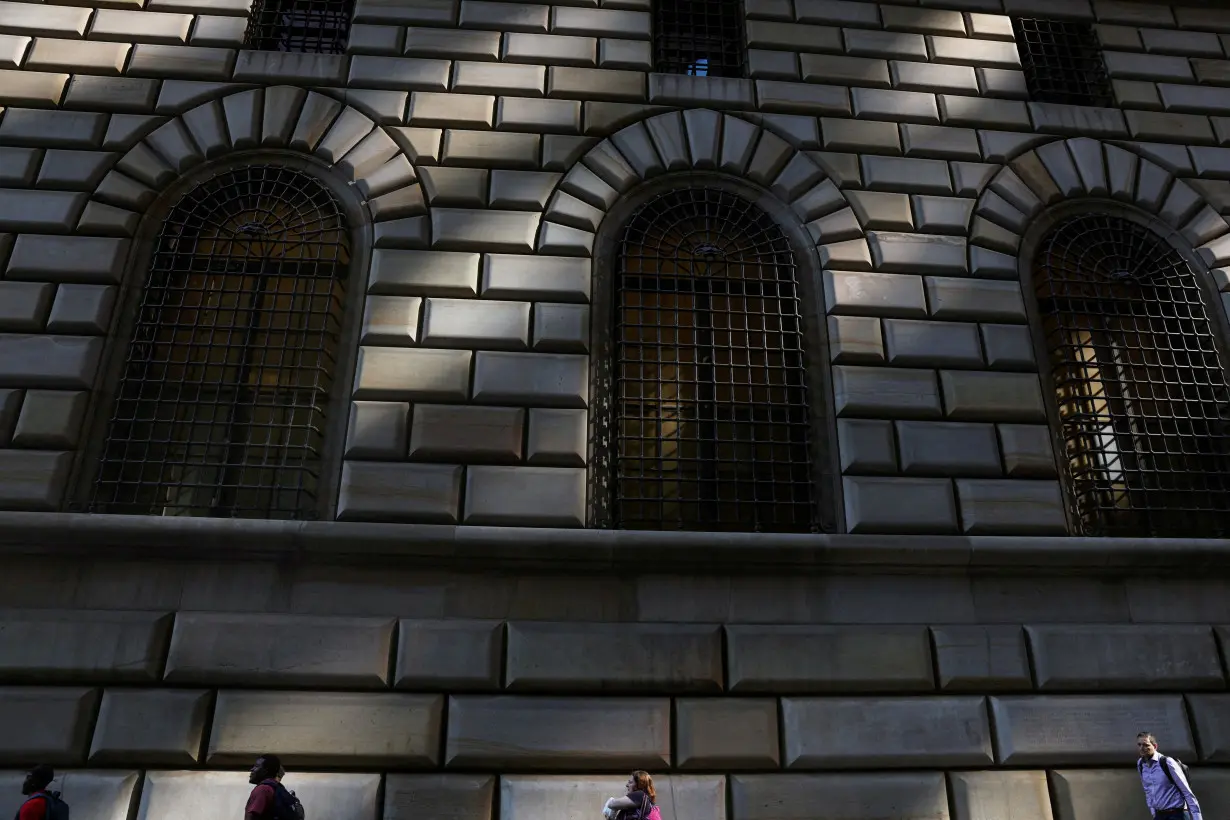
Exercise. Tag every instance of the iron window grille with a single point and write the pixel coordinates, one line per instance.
(220, 411)
(701, 38)
(1139, 384)
(709, 417)
(314, 26)
(1062, 60)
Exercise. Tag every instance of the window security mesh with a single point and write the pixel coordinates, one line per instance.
(1062, 60)
(710, 411)
(1140, 388)
(315, 26)
(220, 411)
(702, 38)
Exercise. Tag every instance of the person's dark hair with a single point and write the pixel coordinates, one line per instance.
(643, 782)
(1147, 736)
(273, 764)
(41, 776)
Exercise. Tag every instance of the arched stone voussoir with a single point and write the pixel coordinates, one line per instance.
(1085, 168)
(698, 139)
(283, 118)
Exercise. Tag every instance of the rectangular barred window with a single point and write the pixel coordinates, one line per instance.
(701, 38)
(311, 26)
(1062, 60)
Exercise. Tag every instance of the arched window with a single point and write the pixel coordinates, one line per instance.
(1139, 385)
(710, 413)
(221, 407)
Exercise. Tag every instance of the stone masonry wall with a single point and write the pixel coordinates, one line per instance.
(484, 142)
(391, 717)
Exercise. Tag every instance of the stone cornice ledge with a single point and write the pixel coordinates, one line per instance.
(118, 537)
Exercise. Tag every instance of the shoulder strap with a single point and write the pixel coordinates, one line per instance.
(1165, 761)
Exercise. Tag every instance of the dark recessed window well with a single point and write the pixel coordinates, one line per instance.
(1139, 384)
(220, 409)
(1062, 60)
(702, 38)
(313, 26)
(709, 417)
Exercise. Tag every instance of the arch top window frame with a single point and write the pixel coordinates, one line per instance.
(657, 334)
(242, 293)
(1135, 369)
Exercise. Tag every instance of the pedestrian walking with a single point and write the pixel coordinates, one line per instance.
(1167, 792)
(638, 803)
(40, 803)
(270, 800)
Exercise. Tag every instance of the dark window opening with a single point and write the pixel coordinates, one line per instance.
(1139, 384)
(1062, 60)
(702, 38)
(315, 26)
(220, 411)
(710, 415)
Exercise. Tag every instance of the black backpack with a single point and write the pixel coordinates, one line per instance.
(57, 809)
(286, 805)
(1161, 759)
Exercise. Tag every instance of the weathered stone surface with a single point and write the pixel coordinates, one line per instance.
(948, 448)
(323, 728)
(828, 659)
(855, 340)
(454, 655)
(885, 392)
(716, 733)
(1116, 658)
(903, 796)
(387, 373)
(558, 733)
(1010, 507)
(525, 496)
(924, 343)
(1211, 718)
(47, 724)
(62, 646)
(280, 650)
(374, 491)
(1000, 796)
(557, 437)
(866, 446)
(190, 795)
(33, 479)
(1099, 793)
(857, 293)
(639, 657)
(531, 379)
(523, 797)
(150, 726)
(1083, 729)
(899, 505)
(885, 732)
(981, 658)
(985, 396)
(476, 324)
(443, 796)
(96, 795)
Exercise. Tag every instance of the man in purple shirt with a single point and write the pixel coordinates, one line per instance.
(1166, 790)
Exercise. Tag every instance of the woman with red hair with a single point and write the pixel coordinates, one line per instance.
(639, 803)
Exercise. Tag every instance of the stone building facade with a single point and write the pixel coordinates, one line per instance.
(819, 403)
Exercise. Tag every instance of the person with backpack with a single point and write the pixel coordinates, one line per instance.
(41, 804)
(270, 800)
(639, 802)
(1167, 793)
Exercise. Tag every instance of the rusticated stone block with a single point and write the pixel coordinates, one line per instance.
(95, 795)
(558, 733)
(1211, 715)
(828, 659)
(893, 796)
(79, 646)
(980, 658)
(150, 726)
(201, 795)
(456, 655)
(629, 657)
(1083, 729)
(885, 732)
(280, 650)
(1000, 796)
(1140, 656)
(323, 728)
(440, 796)
(716, 733)
(1099, 793)
(45, 724)
(680, 797)
(376, 491)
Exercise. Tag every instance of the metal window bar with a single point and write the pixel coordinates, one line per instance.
(1062, 61)
(312, 26)
(699, 37)
(220, 411)
(1139, 383)
(710, 414)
